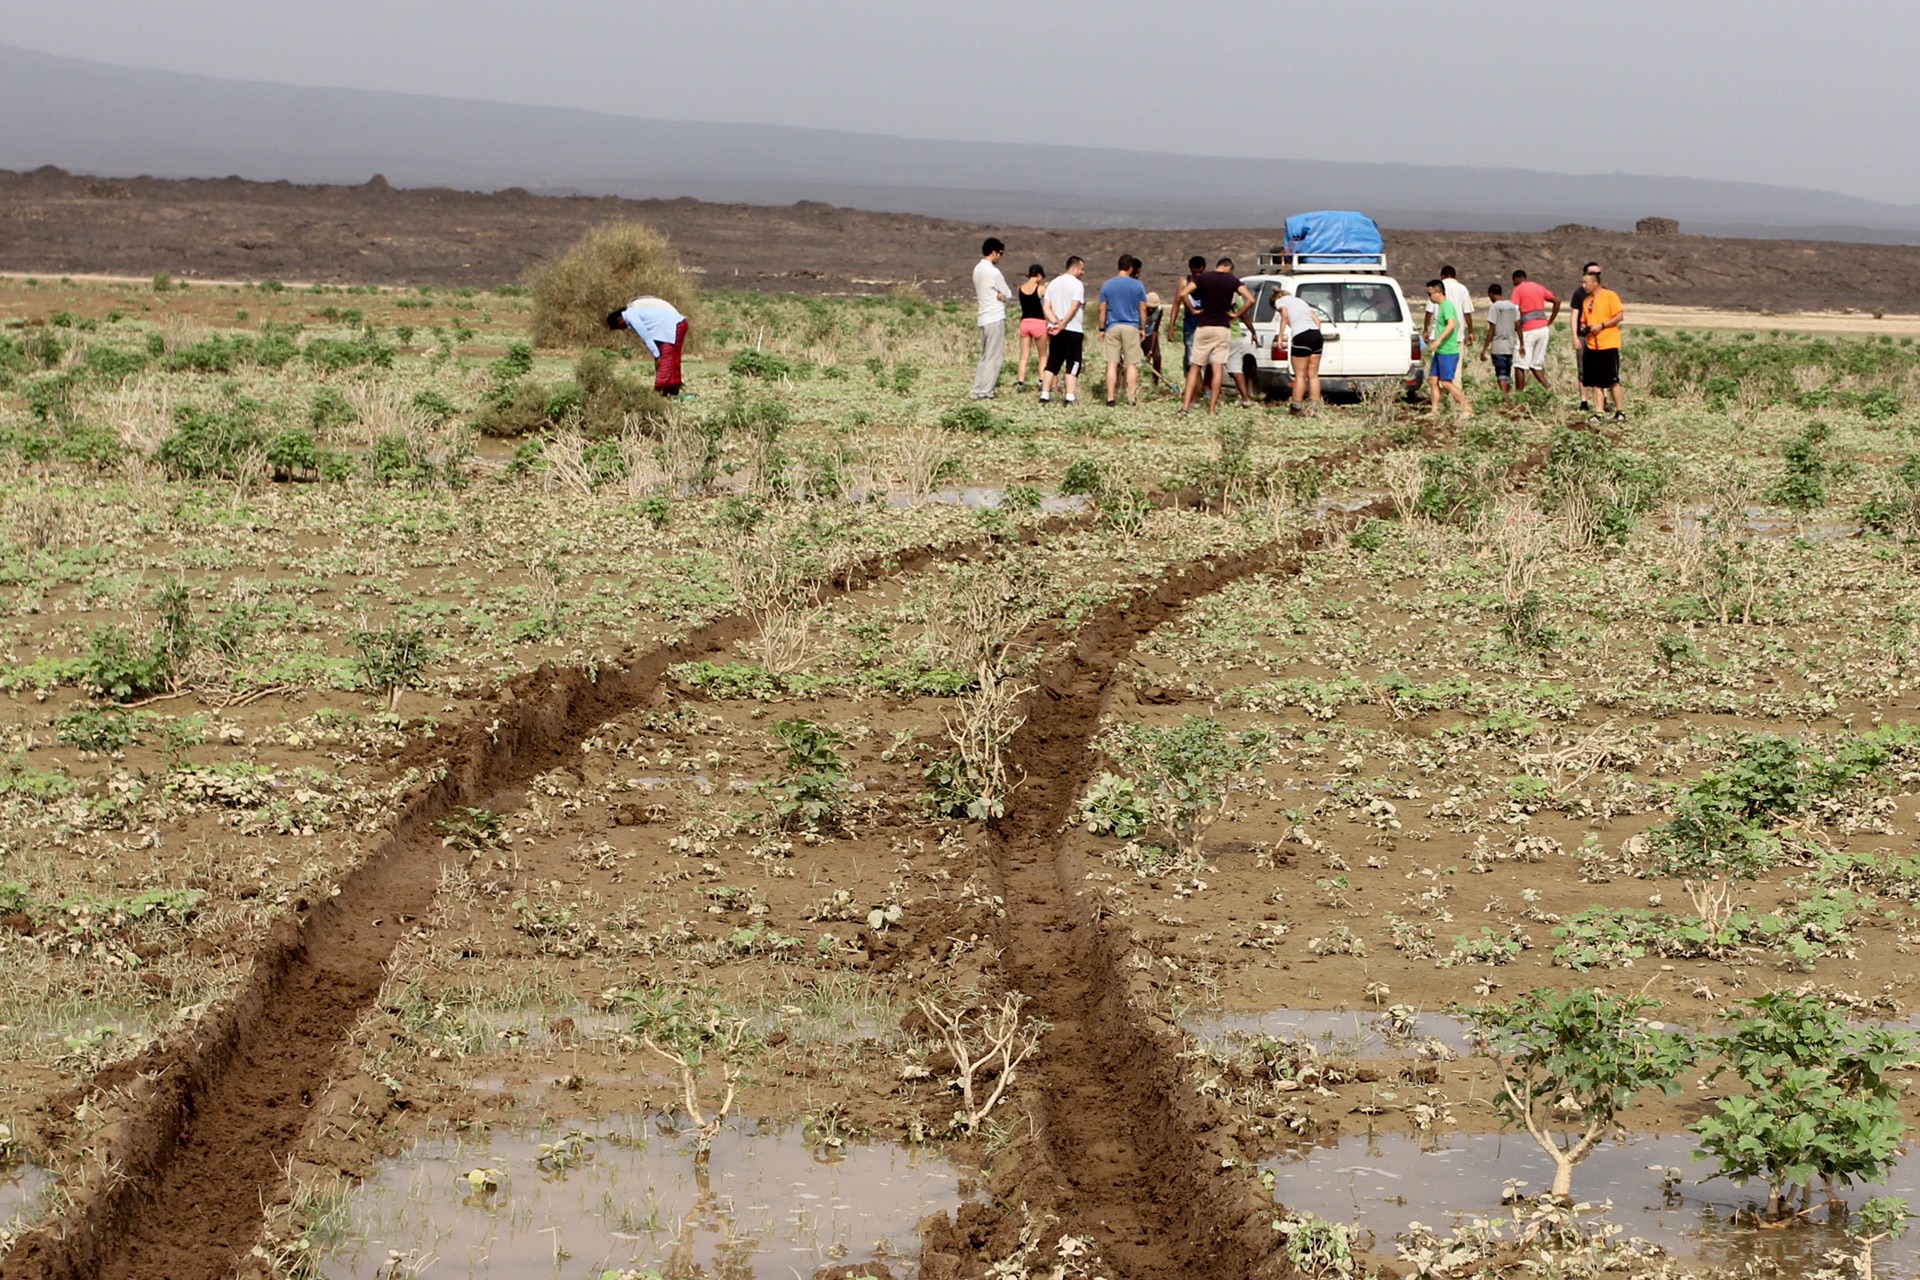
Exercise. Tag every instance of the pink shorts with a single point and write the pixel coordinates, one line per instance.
(1033, 328)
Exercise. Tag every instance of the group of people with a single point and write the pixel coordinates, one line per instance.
(1052, 327)
(1210, 303)
(1516, 333)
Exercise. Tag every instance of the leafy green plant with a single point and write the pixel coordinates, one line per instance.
(1316, 1247)
(1821, 1107)
(391, 659)
(810, 794)
(696, 1034)
(1807, 470)
(101, 728)
(1185, 772)
(1572, 1063)
(1114, 806)
(753, 363)
(1728, 819)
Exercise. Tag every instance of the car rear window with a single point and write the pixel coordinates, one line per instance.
(1368, 303)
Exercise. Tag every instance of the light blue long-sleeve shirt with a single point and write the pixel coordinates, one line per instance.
(655, 320)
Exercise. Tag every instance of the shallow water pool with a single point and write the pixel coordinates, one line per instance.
(768, 1204)
(1384, 1181)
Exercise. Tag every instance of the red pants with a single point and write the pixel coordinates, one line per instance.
(666, 367)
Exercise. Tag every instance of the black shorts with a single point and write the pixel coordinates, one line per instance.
(1309, 343)
(1600, 369)
(1063, 353)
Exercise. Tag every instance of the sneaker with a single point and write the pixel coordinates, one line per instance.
(1072, 400)
(1019, 386)
(1593, 419)
(1619, 415)
(1045, 398)
(1585, 407)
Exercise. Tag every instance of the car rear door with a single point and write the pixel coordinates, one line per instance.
(1375, 330)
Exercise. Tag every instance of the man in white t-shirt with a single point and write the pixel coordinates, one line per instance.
(990, 291)
(1066, 309)
(1462, 299)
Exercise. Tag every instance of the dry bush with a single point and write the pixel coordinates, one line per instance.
(38, 521)
(779, 577)
(919, 457)
(1405, 476)
(647, 459)
(977, 615)
(564, 466)
(605, 269)
(986, 1043)
(980, 727)
(141, 415)
(1518, 536)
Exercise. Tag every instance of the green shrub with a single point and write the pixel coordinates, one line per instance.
(810, 793)
(336, 355)
(1571, 1065)
(330, 409)
(977, 419)
(211, 444)
(1807, 470)
(1822, 1105)
(759, 364)
(609, 401)
(293, 453)
(390, 660)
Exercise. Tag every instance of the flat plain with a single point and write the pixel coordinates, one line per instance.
(426, 752)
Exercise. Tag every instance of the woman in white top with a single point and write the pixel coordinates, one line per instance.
(1302, 340)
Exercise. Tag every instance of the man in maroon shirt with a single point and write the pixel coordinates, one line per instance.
(1212, 297)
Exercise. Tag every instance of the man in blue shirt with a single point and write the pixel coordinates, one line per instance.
(664, 331)
(1123, 318)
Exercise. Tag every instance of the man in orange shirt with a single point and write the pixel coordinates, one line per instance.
(1600, 317)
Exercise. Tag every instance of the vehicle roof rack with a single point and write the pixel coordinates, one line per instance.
(1284, 262)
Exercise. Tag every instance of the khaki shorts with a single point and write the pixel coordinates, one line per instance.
(1211, 344)
(1120, 344)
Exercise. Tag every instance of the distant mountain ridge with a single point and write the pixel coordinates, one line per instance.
(94, 117)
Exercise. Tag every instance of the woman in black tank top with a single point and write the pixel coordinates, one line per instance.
(1033, 322)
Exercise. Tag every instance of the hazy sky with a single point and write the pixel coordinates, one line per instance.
(1815, 93)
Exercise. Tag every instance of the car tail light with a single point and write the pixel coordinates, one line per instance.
(1276, 353)
(1413, 344)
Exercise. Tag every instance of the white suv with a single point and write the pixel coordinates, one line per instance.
(1371, 335)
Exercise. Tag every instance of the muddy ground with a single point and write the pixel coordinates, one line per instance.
(1488, 662)
(51, 221)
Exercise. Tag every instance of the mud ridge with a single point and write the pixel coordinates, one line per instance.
(184, 1169)
(1124, 1152)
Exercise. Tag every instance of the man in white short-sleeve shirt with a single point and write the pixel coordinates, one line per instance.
(990, 292)
(1065, 305)
(1462, 299)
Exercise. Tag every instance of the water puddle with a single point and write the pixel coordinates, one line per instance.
(21, 1186)
(1387, 1033)
(1768, 522)
(978, 497)
(631, 1196)
(1384, 1181)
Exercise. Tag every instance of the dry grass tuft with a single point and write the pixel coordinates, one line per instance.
(604, 270)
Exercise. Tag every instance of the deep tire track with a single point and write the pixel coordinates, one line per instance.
(210, 1113)
(1125, 1154)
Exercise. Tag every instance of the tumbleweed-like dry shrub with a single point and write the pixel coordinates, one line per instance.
(604, 270)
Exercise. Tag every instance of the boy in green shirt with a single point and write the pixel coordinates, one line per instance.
(1444, 375)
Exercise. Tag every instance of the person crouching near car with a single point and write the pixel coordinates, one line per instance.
(1445, 370)
(1301, 339)
(664, 331)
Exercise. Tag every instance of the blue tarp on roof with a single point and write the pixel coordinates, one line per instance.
(1333, 236)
